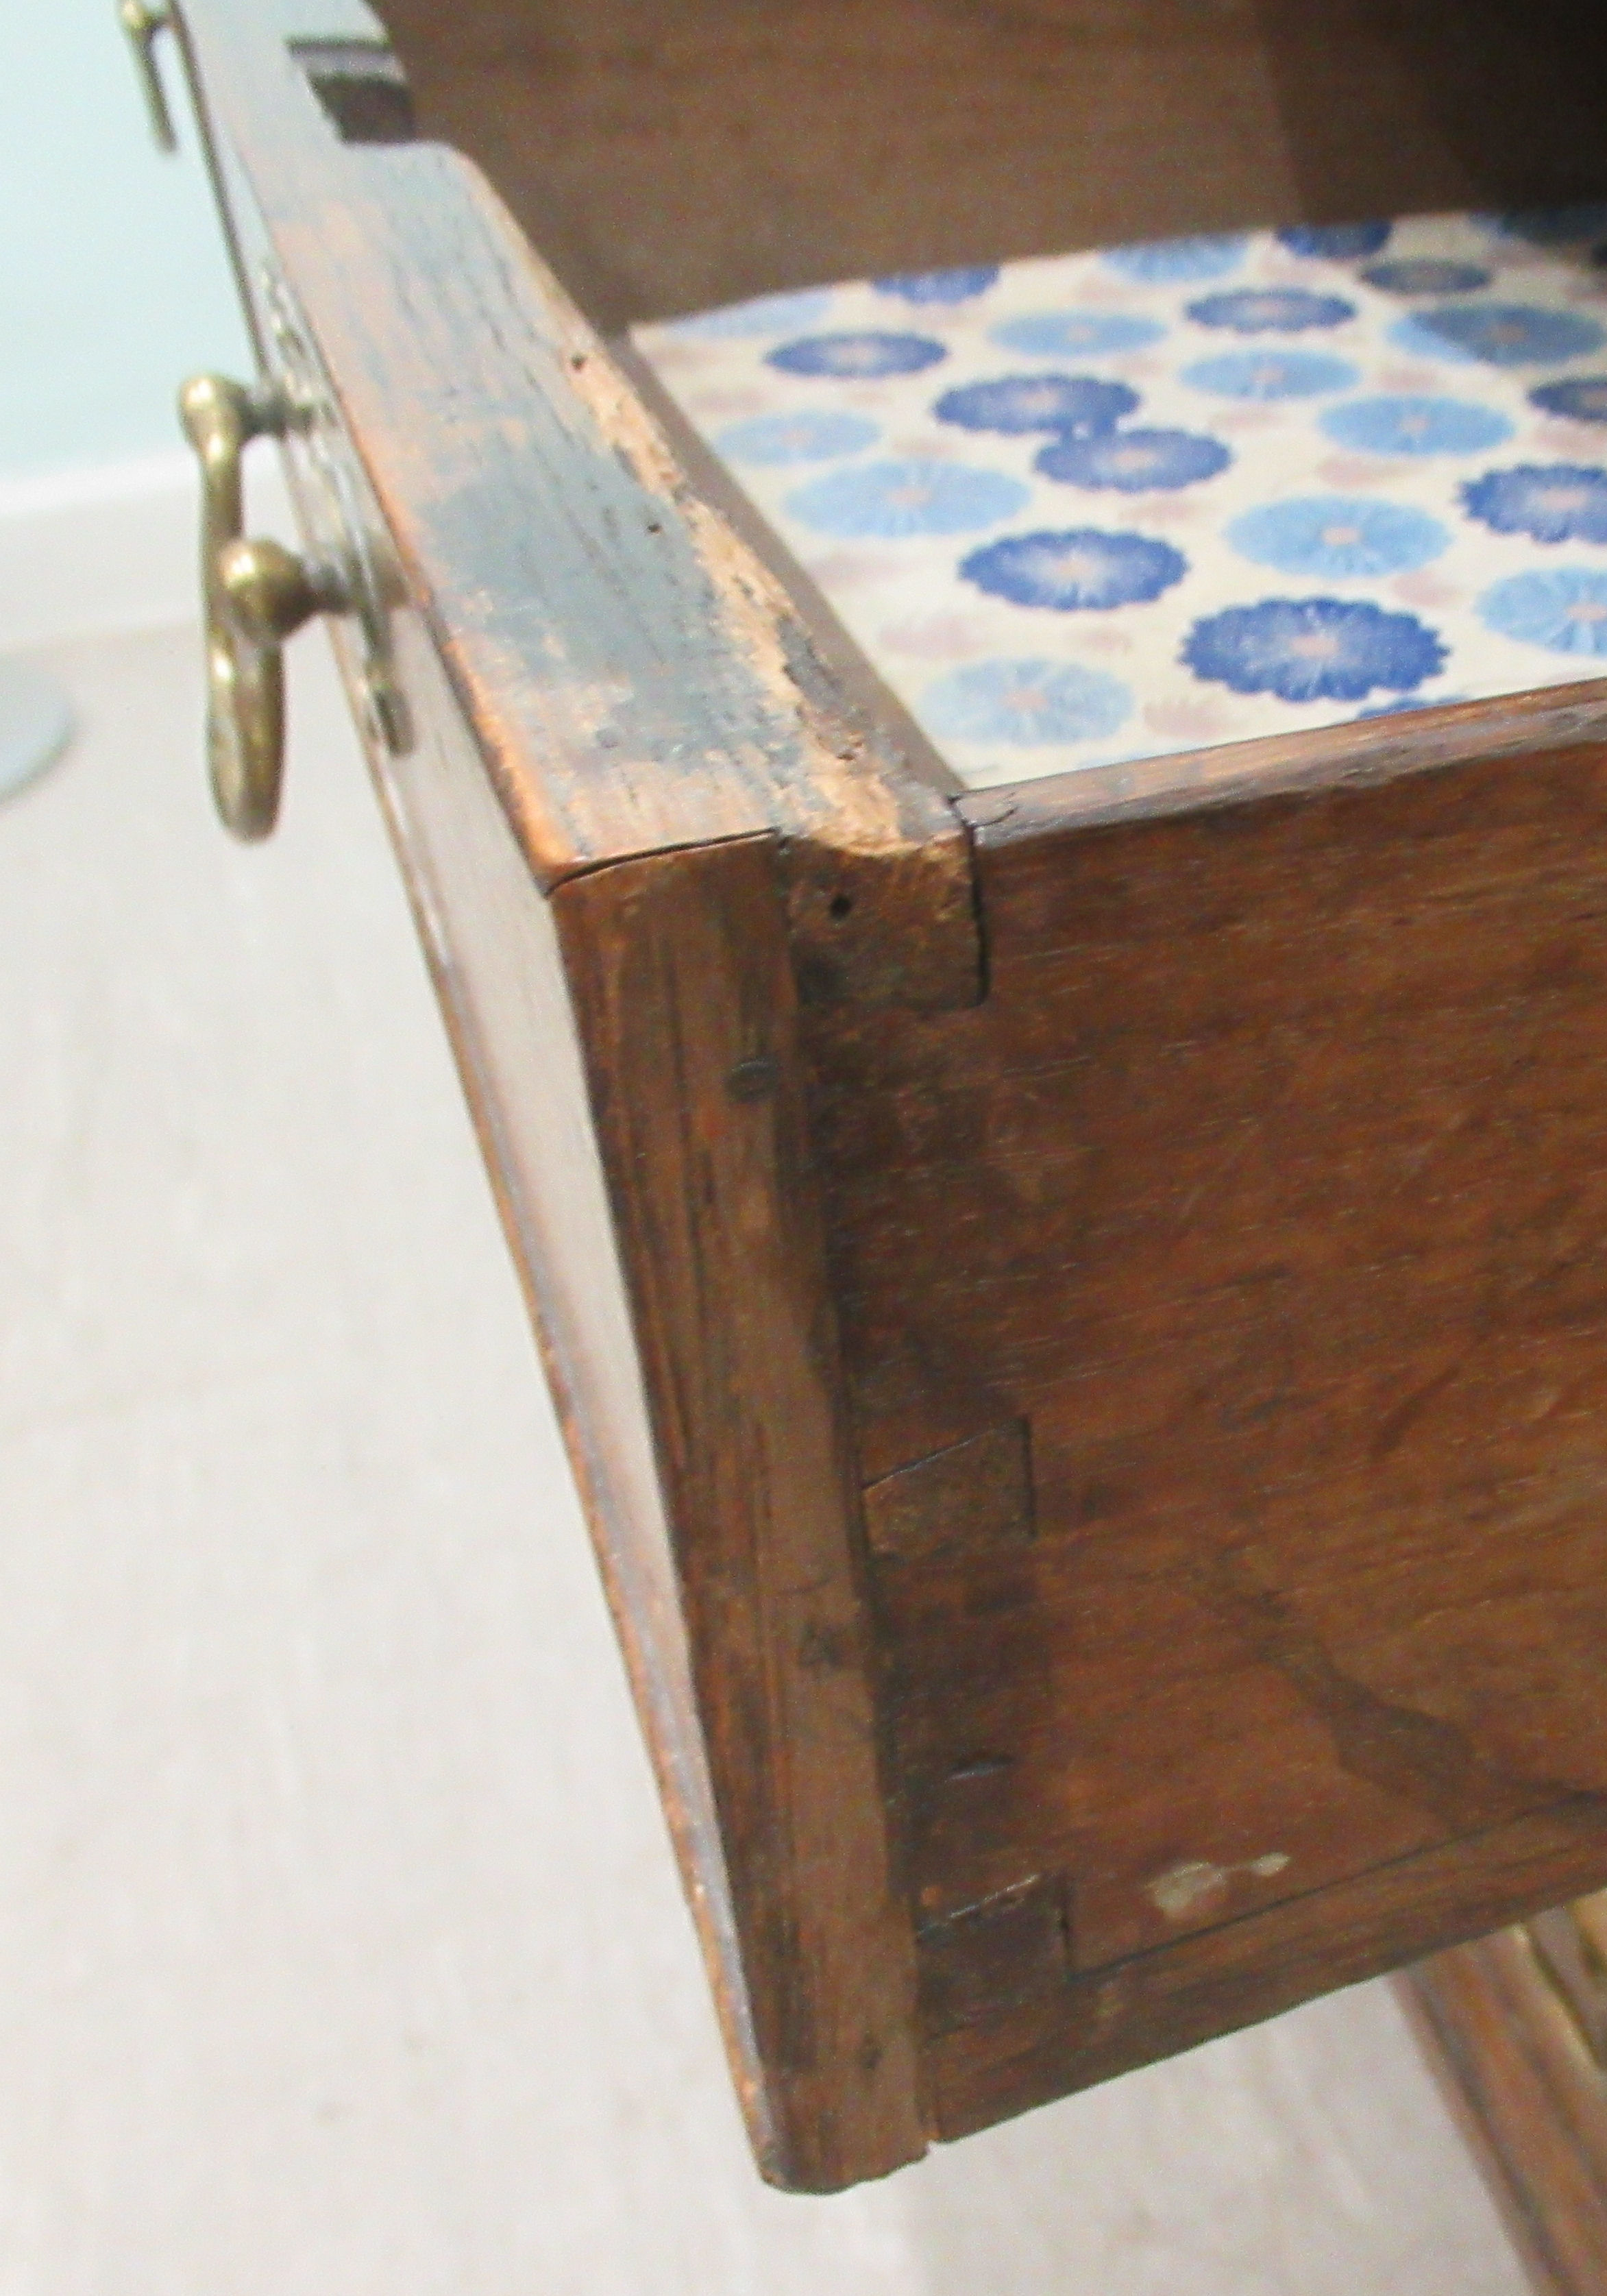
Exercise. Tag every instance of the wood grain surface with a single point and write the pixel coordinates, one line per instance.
(636, 677)
(1089, 1402)
(686, 1004)
(670, 158)
(1267, 1188)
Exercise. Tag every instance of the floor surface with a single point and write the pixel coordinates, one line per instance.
(340, 1950)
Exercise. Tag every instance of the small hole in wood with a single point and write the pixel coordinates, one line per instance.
(839, 905)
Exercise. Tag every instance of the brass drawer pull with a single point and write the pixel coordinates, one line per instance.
(255, 595)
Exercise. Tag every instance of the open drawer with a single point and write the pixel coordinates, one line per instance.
(1079, 1303)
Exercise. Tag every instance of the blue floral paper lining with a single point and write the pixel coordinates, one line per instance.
(1107, 506)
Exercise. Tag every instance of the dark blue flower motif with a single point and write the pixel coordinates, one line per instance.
(1565, 611)
(1405, 423)
(1079, 404)
(1556, 226)
(1338, 538)
(1426, 274)
(1584, 400)
(1499, 334)
(1032, 704)
(1271, 310)
(1075, 572)
(958, 286)
(1067, 334)
(1134, 462)
(1562, 502)
(1272, 374)
(1339, 242)
(808, 436)
(855, 356)
(890, 500)
(1313, 650)
(765, 315)
(1158, 261)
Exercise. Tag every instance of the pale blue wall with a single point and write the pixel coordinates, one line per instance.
(112, 283)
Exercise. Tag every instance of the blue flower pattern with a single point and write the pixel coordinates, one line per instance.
(1134, 462)
(1557, 502)
(1313, 650)
(1499, 334)
(860, 357)
(1338, 538)
(1271, 310)
(1034, 704)
(1075, 406)
(1081, 571)
(1272, 374)
(939, 286)
(1581, 399)
(894, 500)
(1091, 509)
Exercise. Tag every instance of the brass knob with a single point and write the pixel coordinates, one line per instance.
(255, 595)
(142, 21)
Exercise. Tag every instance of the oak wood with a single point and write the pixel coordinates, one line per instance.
(637, 679)
(1268, 1186)
(670, 158)
(686, 998)
(1098, 1477)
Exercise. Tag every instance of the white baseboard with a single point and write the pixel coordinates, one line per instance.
(115, 547)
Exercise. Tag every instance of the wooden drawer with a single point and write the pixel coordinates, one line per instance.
(1080, 1310)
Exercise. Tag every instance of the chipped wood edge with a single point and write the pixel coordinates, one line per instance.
(497, 434)
(1292, 764)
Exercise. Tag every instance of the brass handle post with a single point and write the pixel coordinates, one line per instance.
(142, 20)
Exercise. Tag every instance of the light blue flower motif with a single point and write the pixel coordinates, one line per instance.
(855, 357)
(1498, 334)
(1033, 704)
(1077, 571)
(1271, 310)
(1134, 462)
(1339, 242)
(809, 435)
(1426, 274)
(1405, 423)
(1559, 502)
(1066, 335)
(956, 286)
(765, 315)
(1158, 261)
(1556, 226)
(1079, 405)
(1313, 650)
(891, 500)
(1338, 538)
(1272, 374)
(1565, 610)
(1582, 400)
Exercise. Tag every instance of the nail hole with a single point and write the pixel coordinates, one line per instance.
(840, 904)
